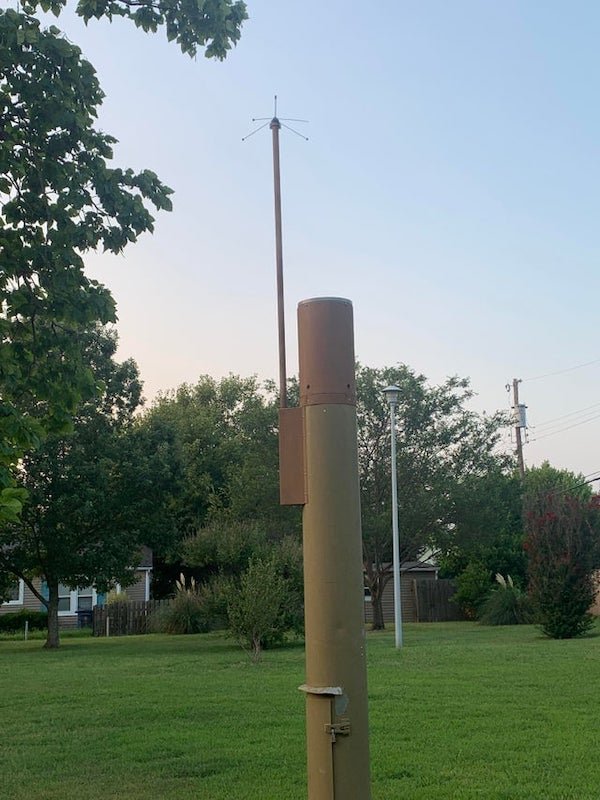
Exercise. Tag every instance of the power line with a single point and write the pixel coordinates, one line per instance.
(562, 371)
(577, 485)
(568, 428)
(579, 420)
(549, 422)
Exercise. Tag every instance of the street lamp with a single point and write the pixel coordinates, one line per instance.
(392, 393)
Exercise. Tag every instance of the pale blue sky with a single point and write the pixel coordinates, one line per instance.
(450, 189)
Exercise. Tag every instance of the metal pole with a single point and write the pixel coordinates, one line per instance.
(395, 533)
(275, 126)
(336, 675)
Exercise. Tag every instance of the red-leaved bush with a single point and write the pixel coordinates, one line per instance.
(563, 547)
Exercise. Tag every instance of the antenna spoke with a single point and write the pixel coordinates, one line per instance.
(254, 131)
(301, 135)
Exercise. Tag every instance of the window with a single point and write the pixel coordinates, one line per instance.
(15, 594)
(70, 601)
(65, 599)
(85, 598)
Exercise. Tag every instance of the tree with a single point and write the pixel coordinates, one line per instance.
(486, 538)
(213, 24)
(440, 444)
(258, 604)
(90, 506)
(59, 198)
(562, 521)
(224, 547)
(221, 438)
(252, 581)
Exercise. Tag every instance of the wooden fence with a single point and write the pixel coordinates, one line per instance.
(433, 601)
(125, 619)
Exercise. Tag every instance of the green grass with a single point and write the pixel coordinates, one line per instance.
(462, 711)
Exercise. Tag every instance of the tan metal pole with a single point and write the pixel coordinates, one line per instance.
(275, 127)
(336, 677)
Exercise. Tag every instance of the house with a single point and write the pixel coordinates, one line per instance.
(73, 603)
(409, 572)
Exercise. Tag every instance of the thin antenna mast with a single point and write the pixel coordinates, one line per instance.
(275, 124)
(275, 127)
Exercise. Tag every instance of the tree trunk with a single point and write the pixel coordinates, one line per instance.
(375, 580)
(378, 623)
(52, 639)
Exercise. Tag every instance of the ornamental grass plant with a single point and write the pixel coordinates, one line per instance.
(188, 612)
(506, 604)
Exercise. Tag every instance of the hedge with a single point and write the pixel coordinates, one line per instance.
(15, 621)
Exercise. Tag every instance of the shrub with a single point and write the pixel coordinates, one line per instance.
(506, 605)
(15, 621)
(186, 613)
(288, 560)
(473, 586)
(214, 595)
(563, 546)
(256, 605)
(114, 597)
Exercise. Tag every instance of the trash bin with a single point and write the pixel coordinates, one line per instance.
(84, 618)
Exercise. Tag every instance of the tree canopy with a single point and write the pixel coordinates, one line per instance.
(59, 198)
(443, 447)
(219, 441)
(562, 524)
(92, 498)
(222, 439)
(212, 24)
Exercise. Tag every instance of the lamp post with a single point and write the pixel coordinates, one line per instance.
(392, 394)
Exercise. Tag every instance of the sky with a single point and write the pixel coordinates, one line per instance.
(449, 188)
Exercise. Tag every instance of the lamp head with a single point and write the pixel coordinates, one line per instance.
(392, 394)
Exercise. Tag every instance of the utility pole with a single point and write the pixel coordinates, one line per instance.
(519, 412)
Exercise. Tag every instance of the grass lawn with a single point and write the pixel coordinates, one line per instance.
(462, 711)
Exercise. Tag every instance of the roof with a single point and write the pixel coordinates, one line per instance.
(418, 566)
